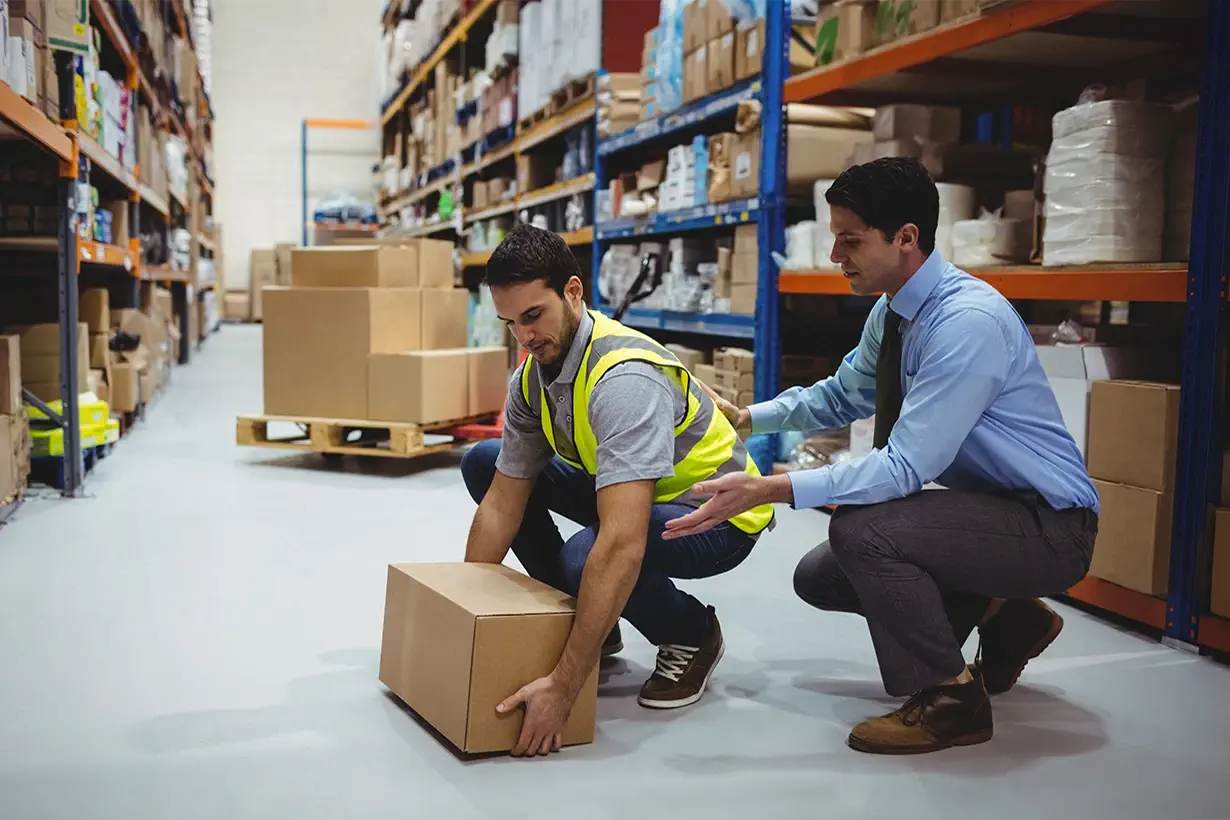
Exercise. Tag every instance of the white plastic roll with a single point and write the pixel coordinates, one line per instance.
(1019, 205)
(957, 202)
(801, 246)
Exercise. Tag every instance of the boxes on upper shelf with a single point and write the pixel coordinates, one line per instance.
(734, 358)
(695, 74)
(917, 122)
(902, 18)
(749, 48)
(720, 61)
(845, 29)
(460, 638)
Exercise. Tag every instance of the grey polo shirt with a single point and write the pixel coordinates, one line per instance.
(633, 411)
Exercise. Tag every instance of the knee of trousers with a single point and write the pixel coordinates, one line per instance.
(573, 557)
(850, 531)
(478, 468)
(815, 580)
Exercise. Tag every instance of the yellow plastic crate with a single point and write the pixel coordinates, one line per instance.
(51, 442)
(93, 410)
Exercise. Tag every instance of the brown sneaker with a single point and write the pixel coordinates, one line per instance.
(683, 671)
(1017, 634)
(614, 642)
(955, 714)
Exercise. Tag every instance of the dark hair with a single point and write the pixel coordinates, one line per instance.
(888, 193)
(530, 253)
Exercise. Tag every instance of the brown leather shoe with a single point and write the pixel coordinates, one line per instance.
(1017, 634)
(614, 642)
(683, 672)
(956, 714)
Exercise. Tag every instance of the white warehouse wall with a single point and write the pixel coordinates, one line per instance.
(276, 62)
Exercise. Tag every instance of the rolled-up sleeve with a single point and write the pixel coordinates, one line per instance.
(524, 449)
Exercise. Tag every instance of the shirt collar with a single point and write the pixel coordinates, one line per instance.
(918, 287)
(576, 352)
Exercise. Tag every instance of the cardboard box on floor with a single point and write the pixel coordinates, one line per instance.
(1219, 602)
(1134, 433)
(460, 638)
(281, 254)
(125, 387)
(317, 340)
(1133, 546)
(237, 305)
(10, 376)
(422, 387)
(14, 455)
(380, 266)
(1072, 369)
(263, 273)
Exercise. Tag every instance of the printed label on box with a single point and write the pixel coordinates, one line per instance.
(743, 165)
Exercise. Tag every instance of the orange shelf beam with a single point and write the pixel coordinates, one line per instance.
(99, 253)
(1214, 632)
(939, 42)
(33, 124)
(1122, 601)
(1165, 282)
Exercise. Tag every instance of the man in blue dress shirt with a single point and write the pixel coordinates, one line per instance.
(950, 371)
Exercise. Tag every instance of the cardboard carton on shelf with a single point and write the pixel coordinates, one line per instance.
(749, 48)
(734, 358)
(745, 165)
(378, 266)
(1134, 433)
(317, 340)
(94, 308)
(125, 387)
(690, 357)
(728, 393)
(706, 374)
(718, 20)
(845, 29)
(933, 123)
(720, 62)
(422, 387)
(736, 380)
(39, 347)
(695, 25)
(695, 74)
(1133, 543)
(460, 638)
(903, 18)
(743, 298)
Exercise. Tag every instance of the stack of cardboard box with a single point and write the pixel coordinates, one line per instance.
(734, 375)
(14, 428)
(749, 48)
(1133, 436)
(619, 102)
(846, 29)
(376, 333)
(744, 270)
(40, 359)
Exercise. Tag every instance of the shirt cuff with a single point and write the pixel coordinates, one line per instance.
(812, 488)
(765, 417)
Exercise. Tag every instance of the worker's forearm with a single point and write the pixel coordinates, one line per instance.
(606, 582)
(491, 533)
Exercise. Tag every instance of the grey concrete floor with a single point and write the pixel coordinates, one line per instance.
(199, 637)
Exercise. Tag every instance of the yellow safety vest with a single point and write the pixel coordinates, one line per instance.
(706, 444)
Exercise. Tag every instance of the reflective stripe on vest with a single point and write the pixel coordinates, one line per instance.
(706, 445)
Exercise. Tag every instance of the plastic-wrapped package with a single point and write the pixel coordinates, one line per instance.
(668, 82)
(800, 247)
(990, 240)
(819, 449)
(1105, 182)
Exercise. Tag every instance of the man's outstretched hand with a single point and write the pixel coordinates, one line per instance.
(730, 495)
(739, 417)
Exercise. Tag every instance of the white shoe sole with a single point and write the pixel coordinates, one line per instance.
(689, 700)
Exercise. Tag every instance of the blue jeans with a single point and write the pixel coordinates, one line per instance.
(656, 607)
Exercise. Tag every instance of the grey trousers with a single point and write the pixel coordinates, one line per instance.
(923, 570)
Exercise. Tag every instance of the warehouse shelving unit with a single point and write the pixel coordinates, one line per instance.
(68, 144)
(502, 145)
(984, 59)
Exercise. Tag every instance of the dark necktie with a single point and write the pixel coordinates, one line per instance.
(888, 379)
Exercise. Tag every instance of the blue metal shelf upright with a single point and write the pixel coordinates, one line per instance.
(768, 211)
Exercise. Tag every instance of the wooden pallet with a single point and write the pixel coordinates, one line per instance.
(562, 99)
(350, 437)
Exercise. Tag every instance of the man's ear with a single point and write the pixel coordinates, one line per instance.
(908, 236)
(574, 289)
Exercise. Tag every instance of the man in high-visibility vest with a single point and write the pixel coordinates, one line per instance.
(603, 426)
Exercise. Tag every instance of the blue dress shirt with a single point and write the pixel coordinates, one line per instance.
(978, 412)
